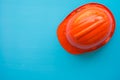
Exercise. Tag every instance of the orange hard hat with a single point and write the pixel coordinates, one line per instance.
(87, 28)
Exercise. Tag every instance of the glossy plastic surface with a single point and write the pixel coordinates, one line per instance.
(87, 28)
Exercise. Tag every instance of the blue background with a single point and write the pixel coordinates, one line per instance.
(29, 48)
